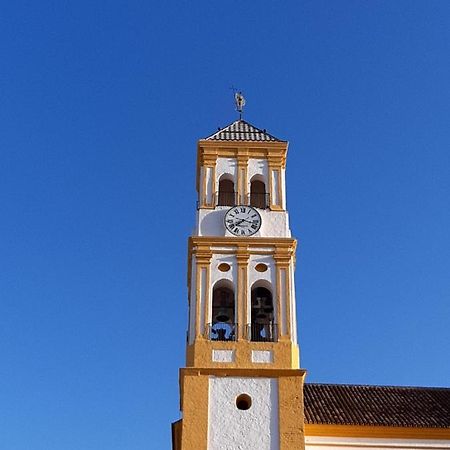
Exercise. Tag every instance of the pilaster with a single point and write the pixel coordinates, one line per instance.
(203, 262)
(242, 257)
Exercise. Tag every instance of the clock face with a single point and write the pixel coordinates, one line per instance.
(242, 220)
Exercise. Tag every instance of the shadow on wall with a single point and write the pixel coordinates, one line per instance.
(213, 223)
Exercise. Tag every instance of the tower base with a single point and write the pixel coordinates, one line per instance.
(225, 409)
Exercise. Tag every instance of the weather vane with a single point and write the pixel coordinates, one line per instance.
(240, 102)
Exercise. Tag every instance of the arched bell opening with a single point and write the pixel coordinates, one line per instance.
(223, 326)
(226, 195)
(259, 198)
(262, 327)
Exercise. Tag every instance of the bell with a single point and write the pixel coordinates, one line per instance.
(222, 315)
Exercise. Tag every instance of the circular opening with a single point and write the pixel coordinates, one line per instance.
(224, 267)
(261, 267)
(243, 402)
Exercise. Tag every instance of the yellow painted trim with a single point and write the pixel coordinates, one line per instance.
(278, 299)
(194, 393)
(290, 404)
(203, 196)
(270, 180)
(242, 174)
(207, 296)
(285, 354)
(203, 259)
(280, 190)
(209, 151)
(376, 431)
(283, 245)
(198, 298)
(242, 258)
(244, 372)
(213, 187)
(288, 302)
(276, 208)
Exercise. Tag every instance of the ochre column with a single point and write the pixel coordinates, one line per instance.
(242, 257)
(275, 188)
(208, 188)
(282, 259)
(290, 394)
(203, 256)
(242, 178)
(194, 405)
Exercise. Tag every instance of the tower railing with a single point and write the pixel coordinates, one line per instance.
(221, 331)
(262, 332)
(259, 200)
(226, 198)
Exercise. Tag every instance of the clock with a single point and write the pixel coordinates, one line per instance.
(242, 220)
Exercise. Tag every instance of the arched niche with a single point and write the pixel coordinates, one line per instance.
(259, 198)
(226, 195)
(223, 312)
(262, 326)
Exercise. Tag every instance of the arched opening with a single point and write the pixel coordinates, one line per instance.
(258, 195)
(223, 327)
(262, 328)
(226, 195)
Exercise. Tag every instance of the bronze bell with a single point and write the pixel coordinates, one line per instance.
(222, 315)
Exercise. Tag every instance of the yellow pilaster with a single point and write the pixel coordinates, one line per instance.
(290, 395)
(242, 177)
(203, 261)
(242, 257)
(194, 405)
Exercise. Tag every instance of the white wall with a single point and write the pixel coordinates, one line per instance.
(226, 165)
(258, 167)
(233, 429)
(210, 222)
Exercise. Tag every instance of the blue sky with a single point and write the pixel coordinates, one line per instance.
(101, 105)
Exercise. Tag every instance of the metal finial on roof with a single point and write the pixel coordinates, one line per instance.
(240, 102)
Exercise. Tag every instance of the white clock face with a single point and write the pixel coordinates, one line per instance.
(242, 220)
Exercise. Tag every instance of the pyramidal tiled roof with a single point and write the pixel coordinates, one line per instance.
(397, 406)
(240, 130)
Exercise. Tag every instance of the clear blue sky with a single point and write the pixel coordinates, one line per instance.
(101, 105)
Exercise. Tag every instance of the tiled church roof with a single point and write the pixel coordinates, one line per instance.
(396, 406)
(240, 130)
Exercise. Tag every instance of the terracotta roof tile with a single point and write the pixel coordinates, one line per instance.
(345, 404)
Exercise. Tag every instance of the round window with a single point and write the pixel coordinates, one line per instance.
(261, 267)
(224, 267)
(243, 402)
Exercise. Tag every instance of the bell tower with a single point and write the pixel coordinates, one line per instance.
(242, 387)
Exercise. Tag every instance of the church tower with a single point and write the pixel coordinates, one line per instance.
(242, 387)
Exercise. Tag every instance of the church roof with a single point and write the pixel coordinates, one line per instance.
(240, 130)
(395, 406)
